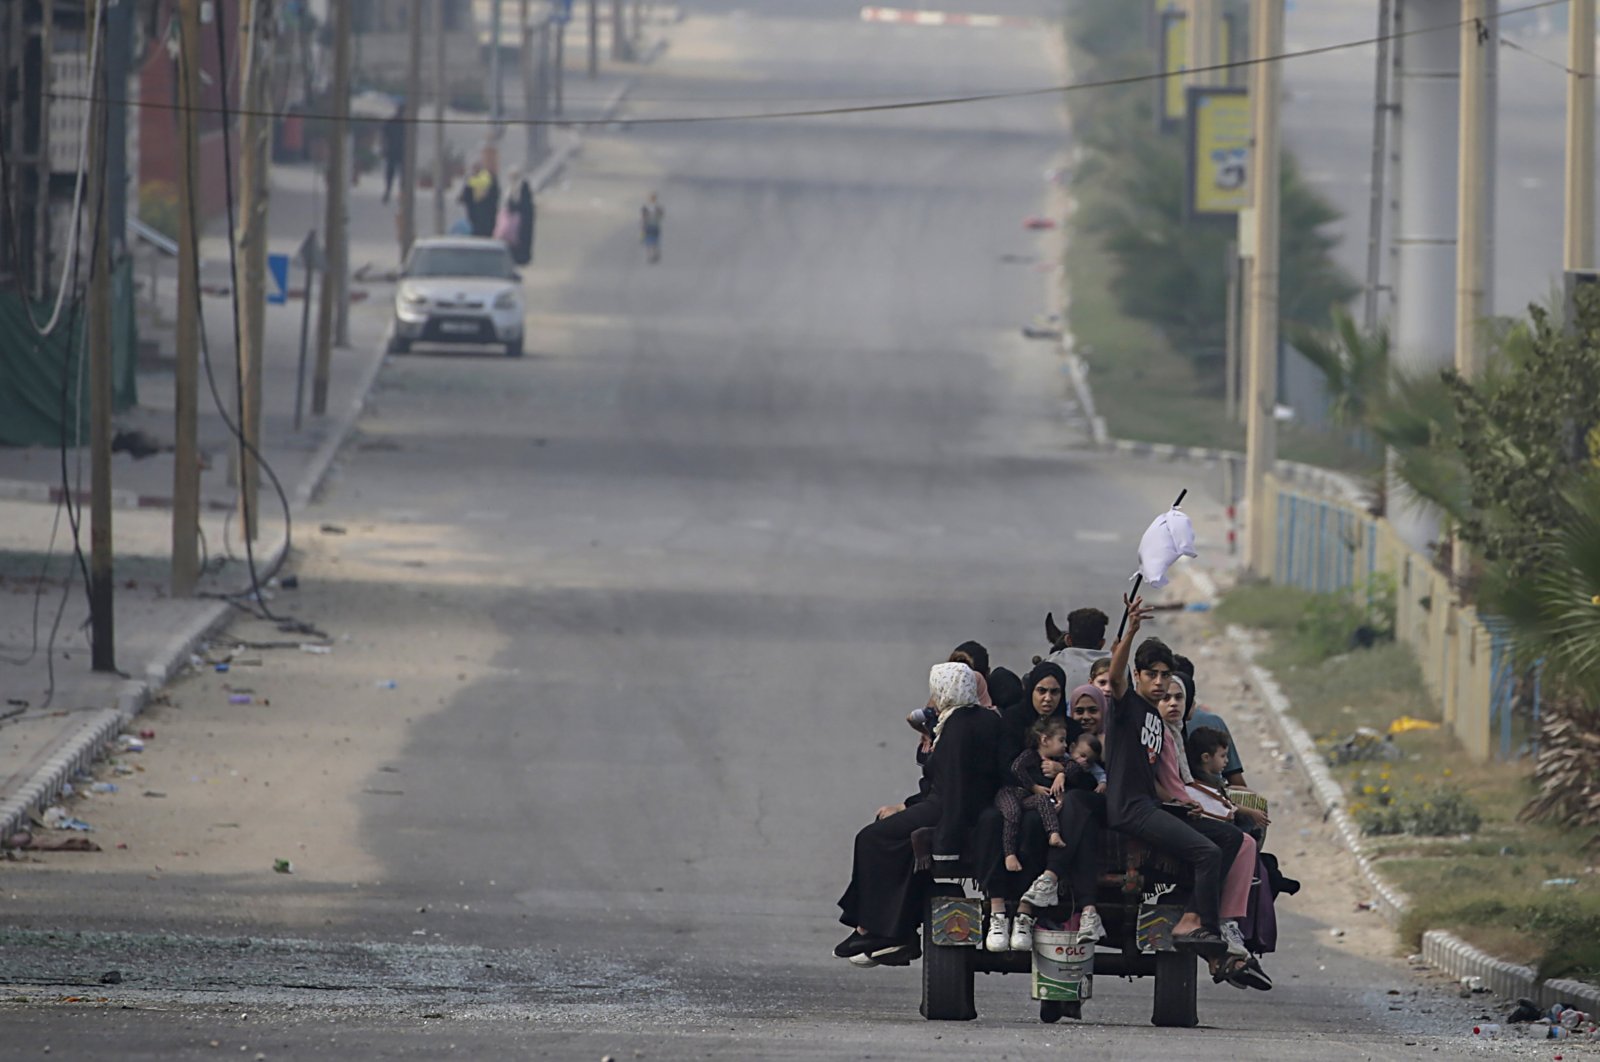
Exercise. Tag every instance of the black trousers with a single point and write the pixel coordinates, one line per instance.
(1206, 846)
(885, 894)
(1075, 866)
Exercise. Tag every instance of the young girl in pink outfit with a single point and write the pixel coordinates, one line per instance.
(1172, 785)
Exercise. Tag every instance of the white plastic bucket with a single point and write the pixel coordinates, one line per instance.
(1063, 965)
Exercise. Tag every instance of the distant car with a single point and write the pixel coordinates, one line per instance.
(459, 289)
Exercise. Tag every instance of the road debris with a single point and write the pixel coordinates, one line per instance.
(282, 866)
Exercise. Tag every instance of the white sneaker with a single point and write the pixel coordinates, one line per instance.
(1090, 925)
(1042, 893)
(999, 938)
(1235, 939)
(1022, 932)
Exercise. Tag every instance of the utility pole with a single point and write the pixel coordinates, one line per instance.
(1261, 428)
(1204, 41)
(251, 283)
(335, 239)
(619, 31)
(497, 100)
(1380, 158)
(1578, 246)
(559, 68)
(102, 637)
(441, 92)
(594, 38)
(408, 166)
(186, 386)
(1471, 202)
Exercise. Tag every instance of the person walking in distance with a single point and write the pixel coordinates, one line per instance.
(650, 216)
(394, 149)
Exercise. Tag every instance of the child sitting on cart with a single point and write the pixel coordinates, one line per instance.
(1028, 788)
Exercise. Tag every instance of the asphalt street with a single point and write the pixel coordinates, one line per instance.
(665, 589)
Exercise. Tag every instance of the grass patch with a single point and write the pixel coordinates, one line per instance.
(1487, 886)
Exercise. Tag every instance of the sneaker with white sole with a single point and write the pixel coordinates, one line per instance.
(999, 938)
(1042, 893)
(1235, 939)
(1022, 932)
(1089, 925)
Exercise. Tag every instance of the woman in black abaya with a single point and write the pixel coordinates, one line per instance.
(883, 902)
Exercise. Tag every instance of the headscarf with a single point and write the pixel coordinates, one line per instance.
(1005, 688)
(984, 700)
(1175, 731)
(1094, 691)
(950, 686)
(1041, 671)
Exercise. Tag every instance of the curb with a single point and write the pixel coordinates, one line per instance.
(102, 725)
(1440, 948)
(1077, 369)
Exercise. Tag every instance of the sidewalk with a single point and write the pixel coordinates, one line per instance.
(49, 730)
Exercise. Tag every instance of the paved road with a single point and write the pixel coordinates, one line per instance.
(657, 597)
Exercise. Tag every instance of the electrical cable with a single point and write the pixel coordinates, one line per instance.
(903, 105)
(245, 446)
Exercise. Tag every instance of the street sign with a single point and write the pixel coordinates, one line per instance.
(1218, 178)
(277, 279)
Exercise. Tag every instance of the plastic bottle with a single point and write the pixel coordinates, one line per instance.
(1489, 1031)
(1558, 1032)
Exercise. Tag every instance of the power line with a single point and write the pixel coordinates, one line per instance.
(869, 108)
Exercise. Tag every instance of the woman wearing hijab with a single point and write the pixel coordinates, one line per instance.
(883, 902)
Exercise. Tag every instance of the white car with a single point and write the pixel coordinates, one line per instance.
(458, 289)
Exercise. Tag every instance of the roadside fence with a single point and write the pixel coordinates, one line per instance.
(1329, 545)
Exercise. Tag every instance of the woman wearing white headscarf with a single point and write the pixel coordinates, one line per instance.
(883, 902)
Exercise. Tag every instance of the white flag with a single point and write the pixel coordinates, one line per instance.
(1169, 537)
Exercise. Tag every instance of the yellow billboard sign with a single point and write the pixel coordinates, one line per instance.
(1219, 151)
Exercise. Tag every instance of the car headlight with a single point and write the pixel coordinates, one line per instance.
(412, 297)
(506, 300)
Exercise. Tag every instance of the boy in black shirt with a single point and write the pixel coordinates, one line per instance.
(1135, 734)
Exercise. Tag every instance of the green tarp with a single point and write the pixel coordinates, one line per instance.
(33, 410)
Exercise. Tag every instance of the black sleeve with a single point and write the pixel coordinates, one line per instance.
(1027, 770)
(1079, 776)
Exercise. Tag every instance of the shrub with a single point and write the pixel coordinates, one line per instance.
(1440, 812)
(158, 207)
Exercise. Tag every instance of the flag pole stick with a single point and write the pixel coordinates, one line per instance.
(1138, 580)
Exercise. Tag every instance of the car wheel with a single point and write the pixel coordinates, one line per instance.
(399, 345)
(514, 348)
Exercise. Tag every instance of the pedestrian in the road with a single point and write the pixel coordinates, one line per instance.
(527, 218)
(394, 149)
(480, 197)
(650, 217)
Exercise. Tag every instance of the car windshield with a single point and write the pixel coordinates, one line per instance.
(461, 262)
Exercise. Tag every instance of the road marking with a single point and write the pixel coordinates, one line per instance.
(909, 17)
(1097, 536)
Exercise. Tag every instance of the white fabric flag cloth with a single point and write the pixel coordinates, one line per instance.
(1168, 537)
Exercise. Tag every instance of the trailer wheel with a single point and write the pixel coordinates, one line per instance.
(1051, 1010)
(946, 972)
(1175, 991)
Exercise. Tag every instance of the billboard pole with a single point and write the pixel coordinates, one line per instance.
(1266, 39)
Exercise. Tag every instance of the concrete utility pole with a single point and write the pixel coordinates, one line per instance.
(620, 50)
(1578, 246)
(497, 100)
(408, 175)
(335, 236)
(1376, 204)
(1204, 42)
(186, 386)
(1471, 199)
(441, 94)
(559, 68)
(102, 636)
(252, 281)
(594, 38)
(1425, 227)
(1261, 428)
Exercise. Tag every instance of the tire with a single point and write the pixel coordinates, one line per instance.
(514, 348)
(1175, 1006)
(1051, 1011)
(1072, 1010)
(946, 977)
(399, 345)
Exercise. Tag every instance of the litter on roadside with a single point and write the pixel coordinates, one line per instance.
(316, 650)
(1406, 724)
(282, 866)
(239, 698)
(129, 743)
(57, 817)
